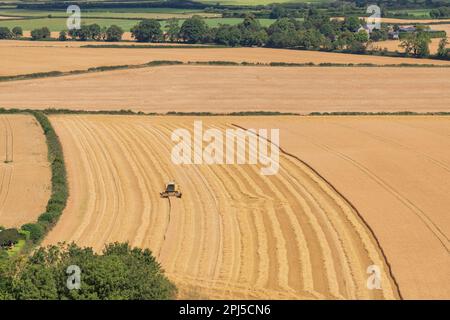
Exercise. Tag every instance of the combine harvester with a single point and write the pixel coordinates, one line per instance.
(172, 190)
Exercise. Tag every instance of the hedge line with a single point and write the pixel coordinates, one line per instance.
(60, 193)
(381, 113)
(89, 70)
(216, 63)
(58, 198)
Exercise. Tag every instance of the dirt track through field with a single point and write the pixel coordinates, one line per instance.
(230, 88)
(233, 234)
(24, 170)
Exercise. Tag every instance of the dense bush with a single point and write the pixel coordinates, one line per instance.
(36, 231)
(194, 30)
(442, 12)
(114, 33)
(17, 32)
(41, 33)
(9, 237)
(88, 32)
(119, 272)
(62, 36)
(58, 198)
(5, 33)
(148, 30)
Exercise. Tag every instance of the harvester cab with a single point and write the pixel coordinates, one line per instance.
(172, 190)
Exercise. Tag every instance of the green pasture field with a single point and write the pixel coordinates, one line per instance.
(421, 13)
(58, 24)
(105, 13)
(256, 2)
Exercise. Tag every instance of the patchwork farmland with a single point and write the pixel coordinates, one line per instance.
(357, 207)
(20, 57)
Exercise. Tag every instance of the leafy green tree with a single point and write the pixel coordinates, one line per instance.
(62, 36)
(277, 12)
(252, 32)
(40, 33)
(5, 33)
(17, 32)
(352, 24)
(228, 35)
(95, 32)
(417, 44)
(361, 36)
(36, 230)
(9, 237)
(119, 272)
(173, 30)
(114, 33)
(73, 34)
(148, 30)
(283, 34)
(379, 35)
(442, 51)
(103, 34)
(193, 30)
(311, 39)
(314, 19)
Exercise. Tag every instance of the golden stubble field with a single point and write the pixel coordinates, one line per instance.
(24, 170)
(237, 234)
(24, 57)
(236, 88)
(233, 234)
(396, 171)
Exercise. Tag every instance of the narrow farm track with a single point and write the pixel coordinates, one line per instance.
(234, 233)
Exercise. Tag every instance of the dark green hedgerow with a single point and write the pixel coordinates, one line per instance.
(381, 113)
(59, 195)
(240, 113)
(213, 63)
(90, 70)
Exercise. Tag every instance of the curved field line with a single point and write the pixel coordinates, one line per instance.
(429, 223)
(391, 277)
(392, 142)
(234, 233)
(199, 235)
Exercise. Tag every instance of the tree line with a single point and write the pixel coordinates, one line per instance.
(119, 272)
(316, 32)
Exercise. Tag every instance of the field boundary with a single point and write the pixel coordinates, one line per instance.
(156, 63)
(346, 200)
(59, 186)
(53, 111)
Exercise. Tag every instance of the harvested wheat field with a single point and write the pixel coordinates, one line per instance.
(16, 58)
(396, 171)
(76, 43)
(231, 88)
(234, 234)
(24, 170)
(394, 45)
